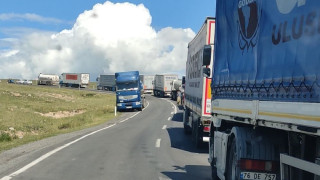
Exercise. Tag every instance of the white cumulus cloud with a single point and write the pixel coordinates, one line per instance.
(109, 38)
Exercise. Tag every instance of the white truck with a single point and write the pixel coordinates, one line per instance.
(265, 122)
(162, 84)
(75, 79)
(147, 81)
(106, 82)
(176, 86)
(48, 79)
(197, 94)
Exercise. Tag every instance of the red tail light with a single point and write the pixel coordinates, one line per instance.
(206, 128)
(258, 165)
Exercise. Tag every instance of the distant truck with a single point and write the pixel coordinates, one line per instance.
(75, 79)
(106, 82)
(147, 81)
(48, 79)
(129, 91)
(176, 86)
(162, 84)
(197, 97)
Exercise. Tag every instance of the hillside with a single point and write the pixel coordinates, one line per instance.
(31, 112)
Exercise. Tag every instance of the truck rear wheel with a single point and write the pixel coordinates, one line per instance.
(233, 171)
(186, 128)
(214, 174)
(197, 133)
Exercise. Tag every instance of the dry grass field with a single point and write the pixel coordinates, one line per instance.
(30, 112)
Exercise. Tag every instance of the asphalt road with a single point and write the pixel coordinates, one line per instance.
(143, 145)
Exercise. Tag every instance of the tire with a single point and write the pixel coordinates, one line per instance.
(186, 128)
(197, 134)
(233, 171)
(214, 175)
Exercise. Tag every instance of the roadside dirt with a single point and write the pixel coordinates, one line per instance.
(61, 114)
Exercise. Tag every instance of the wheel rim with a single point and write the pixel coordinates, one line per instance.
(234, 166)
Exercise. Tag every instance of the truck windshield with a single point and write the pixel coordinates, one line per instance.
(127, 86)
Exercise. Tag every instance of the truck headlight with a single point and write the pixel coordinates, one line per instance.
(121, 97)
(138, 103)
(119, 104)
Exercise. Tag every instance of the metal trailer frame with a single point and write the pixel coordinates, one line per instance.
(286, 161)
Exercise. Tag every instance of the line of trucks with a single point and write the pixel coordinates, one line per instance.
(66, 79)
(252, 90)
(161, 84)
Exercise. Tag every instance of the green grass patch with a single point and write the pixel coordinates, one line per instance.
(4, 137)
(30, 113)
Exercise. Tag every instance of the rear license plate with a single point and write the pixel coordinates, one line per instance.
(257, 176)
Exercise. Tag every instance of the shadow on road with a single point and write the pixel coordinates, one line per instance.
(180, 140)
(177, 117)
(192, 172)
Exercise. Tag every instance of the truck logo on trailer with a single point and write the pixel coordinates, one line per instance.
(286, 6)
(248, 23)
(297, 25)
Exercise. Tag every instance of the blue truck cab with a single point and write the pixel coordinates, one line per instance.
(129, 91)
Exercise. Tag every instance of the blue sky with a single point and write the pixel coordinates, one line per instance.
(165, 13)
(59, 36)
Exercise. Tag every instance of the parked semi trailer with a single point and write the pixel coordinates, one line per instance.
(197, 109)
(147, 81)
(106, 82)
(162, 84)
(75, 79)
(265, 90)
(48, 79)
(176, 86)
(129, 94)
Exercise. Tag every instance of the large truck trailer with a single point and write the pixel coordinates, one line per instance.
(147, 81)
(75, 79)
(176, 86)
(265, 121)
(197, 109)
(106, 82)
(162, 84)
(48, 79)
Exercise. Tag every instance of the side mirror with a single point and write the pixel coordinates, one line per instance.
(206, 72)
(206, 55)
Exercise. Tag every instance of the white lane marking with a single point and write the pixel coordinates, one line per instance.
(175, 107)
(162, 178)
(158, 143)
(6, 178)
(134, 114)
(164, 127)
(146, 106)
(45, 156)
(169, 118)
(129, 117)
